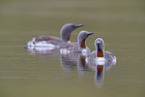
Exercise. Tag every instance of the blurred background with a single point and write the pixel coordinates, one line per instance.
(121, 23)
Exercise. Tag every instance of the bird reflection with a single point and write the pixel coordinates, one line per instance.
(99, 74)
(68, 63)
(100, 70)
(77, 62)
(73, 61)
(43, 52)
(81, 64)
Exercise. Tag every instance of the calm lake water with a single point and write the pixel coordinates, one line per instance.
(29, 73)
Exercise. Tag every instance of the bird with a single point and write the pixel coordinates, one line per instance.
(100, 56)
(79, 46)
(51, 41)
(100, 60)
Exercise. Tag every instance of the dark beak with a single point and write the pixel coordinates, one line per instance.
(90, 33)
(80, 25)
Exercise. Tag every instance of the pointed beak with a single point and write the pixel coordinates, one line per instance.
(80, 25)
(90, 33)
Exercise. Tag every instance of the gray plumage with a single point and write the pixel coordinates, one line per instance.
(65, 32)
(99, 45)
(49, 39)
(80, 45)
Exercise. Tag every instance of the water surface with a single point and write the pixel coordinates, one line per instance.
(25, 73)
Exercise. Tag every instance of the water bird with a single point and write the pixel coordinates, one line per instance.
(79, 46)
(100, 60)
(100, 56)
(52, 41)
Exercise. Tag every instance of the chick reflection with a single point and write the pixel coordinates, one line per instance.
(100, 70)
(99, 74)
(82, 66)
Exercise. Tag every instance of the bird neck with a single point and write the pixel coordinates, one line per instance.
(100, 53)
(83, 44)
(65, 38)
(68, 38)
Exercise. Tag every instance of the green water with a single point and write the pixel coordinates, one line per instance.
(121, 23)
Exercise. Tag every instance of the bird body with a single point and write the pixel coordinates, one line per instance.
(100, 56)
(52, 41)
(79, 46)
